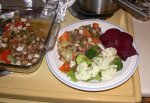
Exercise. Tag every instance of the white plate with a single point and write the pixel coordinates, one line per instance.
(122, 76)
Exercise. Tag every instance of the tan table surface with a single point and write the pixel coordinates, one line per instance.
(42, 85)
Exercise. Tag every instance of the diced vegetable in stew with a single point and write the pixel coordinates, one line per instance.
(19, 44)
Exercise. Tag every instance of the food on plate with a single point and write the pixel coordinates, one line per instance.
(99, 67)
(71, 43)
(19, 43)
(121, 41)
(86, 57)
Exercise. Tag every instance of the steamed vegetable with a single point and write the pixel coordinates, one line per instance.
(83, 72)
(92, 52)
(102, 66)
(82, 58)
(71, 74)
(97, 77)
(65, 67)
(64, 37)
(118, 62)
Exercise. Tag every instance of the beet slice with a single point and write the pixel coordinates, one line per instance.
(121, 41)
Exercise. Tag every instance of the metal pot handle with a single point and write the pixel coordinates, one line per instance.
(52, 37)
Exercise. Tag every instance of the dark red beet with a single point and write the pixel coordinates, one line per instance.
(122, 41)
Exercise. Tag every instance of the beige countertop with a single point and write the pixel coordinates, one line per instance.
(42, 85)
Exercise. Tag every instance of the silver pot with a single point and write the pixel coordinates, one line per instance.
(98, 6)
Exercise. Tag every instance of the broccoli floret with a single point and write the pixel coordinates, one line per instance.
(82, 58)
(118, 62)
(93, 51)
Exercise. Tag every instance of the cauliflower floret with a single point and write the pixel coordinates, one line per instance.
(108, 73)
(102, 62)
(72, 63)
(83, 72)
(109, 53)
(95, 70)
(98, 60)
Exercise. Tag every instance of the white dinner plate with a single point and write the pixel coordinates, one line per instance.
(129, 66)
